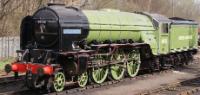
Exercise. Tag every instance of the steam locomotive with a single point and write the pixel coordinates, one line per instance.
(62, 45)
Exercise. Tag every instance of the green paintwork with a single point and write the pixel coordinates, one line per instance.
(108, 24)
(133, 66)
(115, 25)
(180, 37)
(149, 38)
(163, 41)
(183, 37)
(99, 75)
(83, 79)
(59, 81)
(117, 70)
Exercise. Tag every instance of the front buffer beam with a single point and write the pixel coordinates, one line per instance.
(34, 68)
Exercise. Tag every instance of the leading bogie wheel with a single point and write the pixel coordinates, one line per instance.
(33, 81)
(59, 81)
(133, 65)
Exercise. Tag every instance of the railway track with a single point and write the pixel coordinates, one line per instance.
(9, 83)
(189, 87)
(73, 89)
(10, 79)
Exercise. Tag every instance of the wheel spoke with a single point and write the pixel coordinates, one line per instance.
(116, 71)
(83, 79)
(133, 65)
(99, 75)
(59, 81)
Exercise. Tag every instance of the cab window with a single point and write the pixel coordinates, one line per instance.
(165, 28)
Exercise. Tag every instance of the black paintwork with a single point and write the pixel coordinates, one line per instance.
(26, 33)
(45, 28)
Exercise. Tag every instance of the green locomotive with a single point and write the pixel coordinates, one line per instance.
(162, 34)
(63, 44)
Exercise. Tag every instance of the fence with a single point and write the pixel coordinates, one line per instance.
(8, 46)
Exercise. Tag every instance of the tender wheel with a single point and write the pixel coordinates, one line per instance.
(59, 82)
(83, 79)
(117, 70)
(100, 74)
(133, 65)
(33, 81)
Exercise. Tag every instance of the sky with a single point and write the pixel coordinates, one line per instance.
(197, 1)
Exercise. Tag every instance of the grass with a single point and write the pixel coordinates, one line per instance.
(5, 61)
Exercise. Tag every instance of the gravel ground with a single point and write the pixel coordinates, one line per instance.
(138, 86)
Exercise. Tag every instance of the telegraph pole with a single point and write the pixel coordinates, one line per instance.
(172, 8)
(149, 7)
(51, 1)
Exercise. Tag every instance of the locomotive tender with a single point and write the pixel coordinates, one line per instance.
(64, 44)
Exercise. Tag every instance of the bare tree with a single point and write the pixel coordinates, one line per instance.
(13, 11)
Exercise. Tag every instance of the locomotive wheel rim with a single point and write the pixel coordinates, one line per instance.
(83, 79)
(133, 66)
(99, 75)
(117, 71)
(59, 81)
